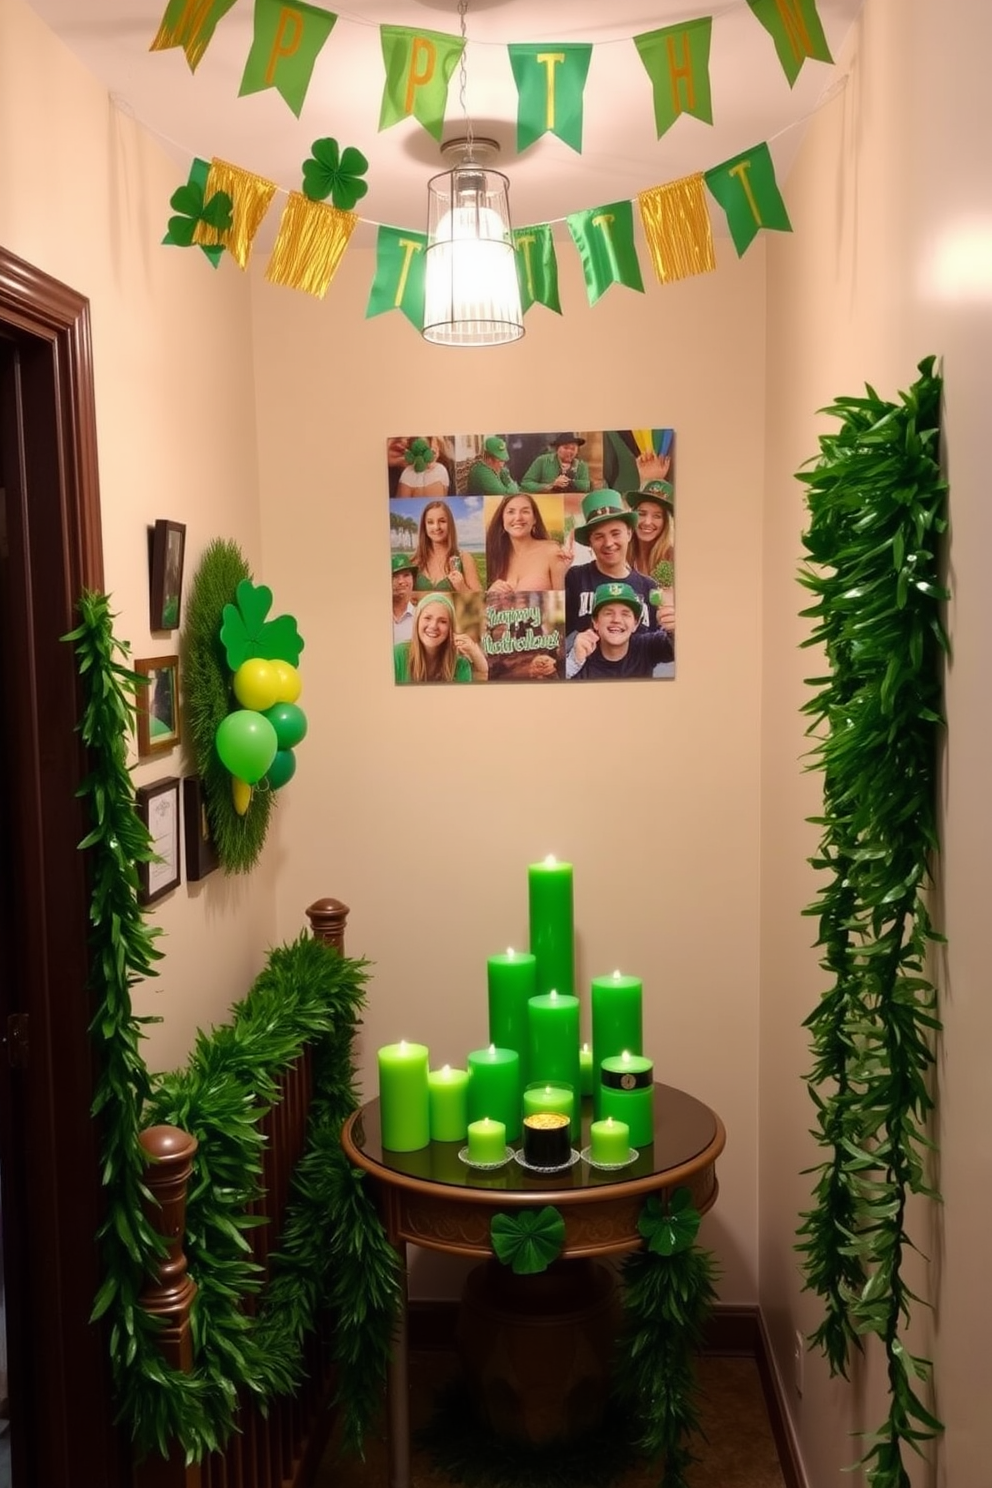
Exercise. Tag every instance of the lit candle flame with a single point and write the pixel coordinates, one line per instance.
(551, 861)
(492, 1051)
(616, 975)
(446, 1070)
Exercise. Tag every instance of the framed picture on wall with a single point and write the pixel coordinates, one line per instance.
(168, 547)
(158, 807)
(158, 704)
(201, 850)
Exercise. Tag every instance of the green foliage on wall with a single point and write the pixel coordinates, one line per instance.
(876, 501)
(333, 1252)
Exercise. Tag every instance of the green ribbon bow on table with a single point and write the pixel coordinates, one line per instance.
(529, 1242)
(335, 173)
(673, 1230)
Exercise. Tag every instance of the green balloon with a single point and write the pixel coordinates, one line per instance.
(289, 722)
(282, 768)
(247, 744)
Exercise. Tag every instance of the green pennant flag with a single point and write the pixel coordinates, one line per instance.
(795, 28)
(419, 65)
(191, 208)
(550, 82)
(288, 38)
(537, 267)
(399, 275)
(190, 24)
(677, 60)
(748, 192)
(604, 237)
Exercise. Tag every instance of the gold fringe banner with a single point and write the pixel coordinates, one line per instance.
(250, 197)
(677, 228)
(312, 238)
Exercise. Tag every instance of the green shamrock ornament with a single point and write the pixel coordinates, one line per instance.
(669, 1232)
(245, 633)
(529, 1242)
(188, 202)
(331, 172)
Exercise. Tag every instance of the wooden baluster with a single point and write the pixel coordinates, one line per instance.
(168, 1294)
(328, 918)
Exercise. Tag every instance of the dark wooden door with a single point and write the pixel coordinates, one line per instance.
(61, 1428)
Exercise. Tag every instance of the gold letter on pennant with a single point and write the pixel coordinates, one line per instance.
(410, 246)
(550, 60)
(415, 78)
(740, 171)
(281, 49)
(681, 72)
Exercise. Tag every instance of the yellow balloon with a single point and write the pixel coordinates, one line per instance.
(289, 682)
(241, 792)
(256, 684)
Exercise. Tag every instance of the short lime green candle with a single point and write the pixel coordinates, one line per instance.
(552, 929)
(447, 1091)
(539, 1096)
(486, 1141)
(404, 1105)
(494, 1087)
(512, 982)
(585, 1070)
(609, 1141)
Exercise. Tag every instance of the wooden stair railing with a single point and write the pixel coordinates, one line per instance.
(282, 1448)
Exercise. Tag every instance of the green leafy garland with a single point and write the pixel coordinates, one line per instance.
(668, 1296)
(876, 501)
(333, 1253)
(207, 699)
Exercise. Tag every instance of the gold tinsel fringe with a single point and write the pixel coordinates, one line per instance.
(677, 228)
(250, 196)
(183, 33)
(311, 242)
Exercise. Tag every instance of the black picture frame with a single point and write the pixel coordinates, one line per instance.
(167, 551)
(158, 705)
(158, 807)
(201, 850)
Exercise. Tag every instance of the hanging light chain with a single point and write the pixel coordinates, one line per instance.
(463, 82)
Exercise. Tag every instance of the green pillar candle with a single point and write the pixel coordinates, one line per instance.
(552, 931)
(586, 1069)
(512, 982)
(616, 1022)
(609, 1142)
(404, 1105)
(447, 1091)
(635, 1107)
(494, 1087)
(486, 1141)
(554, 1043)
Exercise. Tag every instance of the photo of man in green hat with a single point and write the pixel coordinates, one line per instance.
(560, 469)
(489, 475)
(607, 524)
(404, 573)
(615, 646)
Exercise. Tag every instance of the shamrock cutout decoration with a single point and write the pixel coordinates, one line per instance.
(245, 633)
(669, 1232)
(663, 573)
(331, 172)
(529, 1242)
(419, 455)
(189, 203)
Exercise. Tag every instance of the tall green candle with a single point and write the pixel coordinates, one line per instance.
(554, 1043)
(447, 1090)
(494, 1087)
(552, 929)
(512, 982)
(404, 1105)
(616, 1022)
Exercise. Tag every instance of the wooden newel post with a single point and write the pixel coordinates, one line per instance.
(169, 1293)
(328, 918)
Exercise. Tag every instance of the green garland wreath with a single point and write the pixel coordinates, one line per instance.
(876, 500)
(333, 1252)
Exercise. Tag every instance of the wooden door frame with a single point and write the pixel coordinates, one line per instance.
(61, 1406)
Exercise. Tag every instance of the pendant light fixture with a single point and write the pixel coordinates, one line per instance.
(471, 293)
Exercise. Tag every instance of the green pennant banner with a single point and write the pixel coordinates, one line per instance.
(288, 38)
(419, 65)
(190, 24)
(677, 60)
(795, 28)
(550, 83)
(399, 275)
(604, 237)
(748, 192)
(537, 267)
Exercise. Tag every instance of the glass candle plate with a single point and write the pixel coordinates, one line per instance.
(632, 1156)
(563, 1168)
(484, 1167)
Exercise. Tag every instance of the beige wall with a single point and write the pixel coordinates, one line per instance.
(84, 195)
(422, 808)
(891, 259)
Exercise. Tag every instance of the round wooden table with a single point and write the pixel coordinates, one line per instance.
(432, 1199)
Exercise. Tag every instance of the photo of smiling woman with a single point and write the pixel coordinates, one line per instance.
(437, 651)
(521, 553)
(440, 563)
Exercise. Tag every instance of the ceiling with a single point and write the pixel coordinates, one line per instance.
(201, 114)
